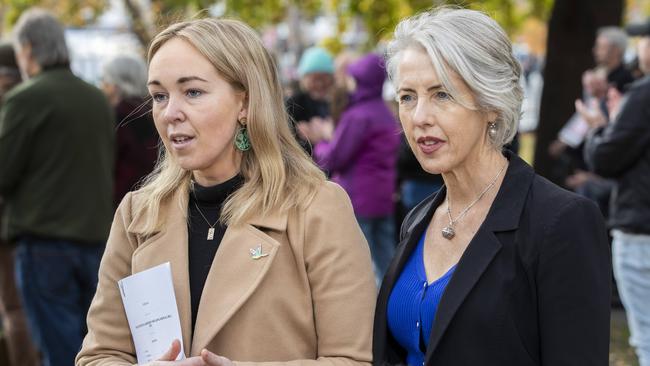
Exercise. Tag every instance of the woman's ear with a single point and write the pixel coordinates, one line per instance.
(243, 112)
(492, 116)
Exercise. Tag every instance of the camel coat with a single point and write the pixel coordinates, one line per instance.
(310, 301)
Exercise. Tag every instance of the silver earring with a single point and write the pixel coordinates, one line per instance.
(492, 130)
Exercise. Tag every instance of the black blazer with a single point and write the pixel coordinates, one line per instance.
(532, 288)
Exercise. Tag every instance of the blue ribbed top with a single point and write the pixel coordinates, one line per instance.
(413, 304)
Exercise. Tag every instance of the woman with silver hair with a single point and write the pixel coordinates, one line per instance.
(500, 267)
(124, 81)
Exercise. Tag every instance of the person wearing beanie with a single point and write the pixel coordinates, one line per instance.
(316, 59)
(311, 103)
(20, 349)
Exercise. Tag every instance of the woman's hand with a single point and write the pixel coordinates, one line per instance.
(207, 358)
(169, 358)
(210, 359)
(172, 352)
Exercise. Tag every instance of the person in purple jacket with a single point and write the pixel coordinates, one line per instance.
(361, 156)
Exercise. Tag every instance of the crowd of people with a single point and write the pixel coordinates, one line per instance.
(284, 218)
(604, 152)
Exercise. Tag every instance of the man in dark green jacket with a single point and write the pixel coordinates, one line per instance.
(56, 161)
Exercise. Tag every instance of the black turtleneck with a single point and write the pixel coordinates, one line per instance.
(207, 201)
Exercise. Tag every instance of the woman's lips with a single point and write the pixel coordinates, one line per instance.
(429, 145)
(180, 142)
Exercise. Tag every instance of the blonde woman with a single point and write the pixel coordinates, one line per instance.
(267, 260)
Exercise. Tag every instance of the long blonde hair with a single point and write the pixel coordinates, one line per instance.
(278, 174)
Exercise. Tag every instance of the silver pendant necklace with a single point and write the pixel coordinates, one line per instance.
(448, 231)
(211, 229)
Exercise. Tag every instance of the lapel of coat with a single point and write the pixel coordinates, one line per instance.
(235, 274)
(504, 215)
(416, 226)
(169, 245)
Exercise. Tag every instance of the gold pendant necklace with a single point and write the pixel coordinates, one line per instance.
(448, 231)
(211, 229)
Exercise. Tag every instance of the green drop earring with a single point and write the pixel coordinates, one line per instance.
(242, 142)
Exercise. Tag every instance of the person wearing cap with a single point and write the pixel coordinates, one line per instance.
(310, 106)
(56, 155)
(621, 150)
(20, 349)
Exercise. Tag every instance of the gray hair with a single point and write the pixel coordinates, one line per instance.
(43, 32)
(128, 74)
(615, 35)
(472, 45)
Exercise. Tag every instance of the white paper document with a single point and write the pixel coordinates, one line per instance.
(574, 131)
(150, 305)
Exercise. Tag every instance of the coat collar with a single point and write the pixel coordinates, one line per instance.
(506, 209)
(504, 215)
(233, 276)
(175, 208)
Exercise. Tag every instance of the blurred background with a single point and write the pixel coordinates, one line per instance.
(551, 36)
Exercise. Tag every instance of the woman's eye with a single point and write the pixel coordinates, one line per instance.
(158, 97)
(406, 98)
(442, 95)
(193, 93)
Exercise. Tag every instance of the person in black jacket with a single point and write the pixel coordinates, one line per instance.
(500, 267)
(621, 150)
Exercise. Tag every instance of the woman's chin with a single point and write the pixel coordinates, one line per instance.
(187, 164)
(433, 167)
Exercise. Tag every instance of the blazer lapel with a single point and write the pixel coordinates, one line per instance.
(412, 234)
(478, 255)
(169, 245)
(504, 215)
(235, 274)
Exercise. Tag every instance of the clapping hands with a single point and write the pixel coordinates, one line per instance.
(316, 130)
(592, 113)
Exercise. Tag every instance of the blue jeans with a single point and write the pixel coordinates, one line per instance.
(631, 261)
(57, 281)
(380, 234)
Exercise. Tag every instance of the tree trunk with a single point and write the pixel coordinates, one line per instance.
(295, 40)
(571, 35)
(138, 23)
